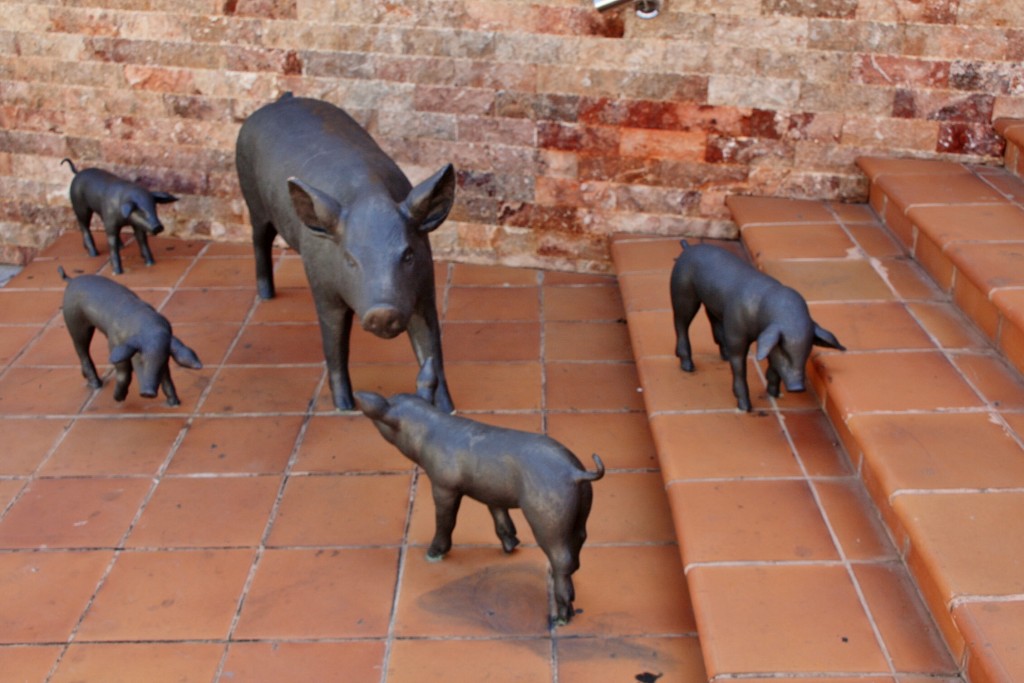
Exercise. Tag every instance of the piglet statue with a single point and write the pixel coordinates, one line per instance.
(501, 468)
(311, 174)
(137, 334)
(119, 203)
(743, 306)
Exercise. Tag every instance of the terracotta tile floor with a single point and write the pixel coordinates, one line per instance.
(255, 534)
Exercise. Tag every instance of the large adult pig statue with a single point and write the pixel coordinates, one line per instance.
(310, 173)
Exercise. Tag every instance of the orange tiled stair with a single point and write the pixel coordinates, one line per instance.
(803, 562)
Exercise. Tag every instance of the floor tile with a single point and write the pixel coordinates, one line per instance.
(471, 274)
(855, 524)
(623, 440)
(947, 325)
(15, 338)
(289, 272)
(652, 333)
(9, 490)
(43, 391)
(291, 344)
(960, 535)
(955, 187)
(221, 272)
(493, 303)
(27, 581)
(756, 210)
(830, 279)
(994, 626)
(975, 222)
(318, 661)
(367, 348)
(795, 241)
(374, 512)
(27, 442)
(646, 290)
(210, 341)
(895, 381)
(592, 386)
(587, 341)
(989, 266)
(346, 443)
(875, 240)
(926, 451)
(114, 446)
(262, 390)
(768, 619)
(469, 661)
(289, 305)
(909, 280)
(168, 595)
(626, 590)
(738, 521)
(217, 512)
(630, 507)
(910, 635)
(722, 445)
(872, 326)
(634, 254)
(163, 273)
(29, 307)
(316, 594)
(188, 383)
(249, 445)
(28, 663)
(386, 379)
(132, 662)
(709, 387)
(208, 305)
(817, 444)
(491, 341)
(475, 592)
(54, 347)
(73, 513)
(582, 660)
(493, 386)
(594, 302)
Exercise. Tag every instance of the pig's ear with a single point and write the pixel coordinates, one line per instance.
(126, 209)
(823, 337)
(163, 197)
(316, 209)
(429, 202)
(426, 381)
(184, 356)
(767, 340)
(122, 353)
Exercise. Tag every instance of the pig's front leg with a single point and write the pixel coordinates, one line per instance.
(168, 388)
(425, 335)
(81, 337)
(774, 380)
(505, 528)
(123, 377)
(114, 244)
(335, 334)
(446, 508)
(143, 240)
(738, 361)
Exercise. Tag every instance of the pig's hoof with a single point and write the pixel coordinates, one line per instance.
(686, 365)
(432, 557)
(509, 544)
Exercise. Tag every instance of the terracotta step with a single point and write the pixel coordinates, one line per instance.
(791, 570)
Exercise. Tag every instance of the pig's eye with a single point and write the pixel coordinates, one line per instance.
(407, 256)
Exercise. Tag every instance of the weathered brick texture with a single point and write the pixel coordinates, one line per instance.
(565, 125)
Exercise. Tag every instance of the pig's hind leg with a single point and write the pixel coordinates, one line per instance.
(505, 528)
(684, 307)
(168, 388)
(84, 215)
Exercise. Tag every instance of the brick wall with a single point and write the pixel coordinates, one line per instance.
(565, 125)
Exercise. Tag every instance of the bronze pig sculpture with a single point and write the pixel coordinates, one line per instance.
(744, 305)
(137, 334)
(119, 203)
(502, 468)
(310, 173)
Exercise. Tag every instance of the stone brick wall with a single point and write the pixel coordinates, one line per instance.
(565, 125)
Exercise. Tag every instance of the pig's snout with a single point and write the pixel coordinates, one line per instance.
(384, 321)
